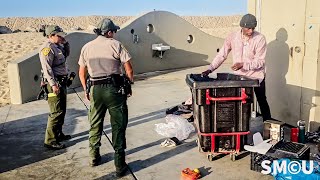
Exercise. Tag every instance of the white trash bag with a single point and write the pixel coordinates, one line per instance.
(176, 126)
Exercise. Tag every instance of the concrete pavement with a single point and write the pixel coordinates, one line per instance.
(22, 127)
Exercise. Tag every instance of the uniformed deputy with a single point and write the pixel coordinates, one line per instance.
(102, 59)
(53, 62)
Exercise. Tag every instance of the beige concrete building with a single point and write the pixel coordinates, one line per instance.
(292, 29)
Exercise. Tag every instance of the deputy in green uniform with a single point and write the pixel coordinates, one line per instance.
(102, 58)
(53, 62)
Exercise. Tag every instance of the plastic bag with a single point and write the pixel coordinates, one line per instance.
(176, 126)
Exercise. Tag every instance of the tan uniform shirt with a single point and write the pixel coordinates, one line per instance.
(103, 56)
(53, 62)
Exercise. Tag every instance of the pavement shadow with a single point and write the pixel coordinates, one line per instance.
(132, 122)
(205, 171)
(138, 165)
(143, 147)
(22, 141)
(107, 129)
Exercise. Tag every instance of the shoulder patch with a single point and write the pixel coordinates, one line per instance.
(45, 51)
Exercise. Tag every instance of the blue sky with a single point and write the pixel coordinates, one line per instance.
(43, 8)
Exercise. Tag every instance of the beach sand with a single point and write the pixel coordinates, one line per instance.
(16, 45)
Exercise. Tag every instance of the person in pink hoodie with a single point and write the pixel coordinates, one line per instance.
(248, 51)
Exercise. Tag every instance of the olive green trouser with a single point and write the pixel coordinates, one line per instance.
(58, 106)
(102, 98)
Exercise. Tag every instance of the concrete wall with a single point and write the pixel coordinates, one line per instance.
(292, 32)
(168, 29)
(311, 66)
(171, 30)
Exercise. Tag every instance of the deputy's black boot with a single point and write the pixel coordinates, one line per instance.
(63, 137)
(54, 146)
(120, 172)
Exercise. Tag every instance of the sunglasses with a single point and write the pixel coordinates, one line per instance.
(114, 31)
(58, 29)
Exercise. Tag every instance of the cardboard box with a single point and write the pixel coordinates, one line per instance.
(276, 131)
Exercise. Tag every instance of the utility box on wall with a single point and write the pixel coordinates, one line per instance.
(293, 79)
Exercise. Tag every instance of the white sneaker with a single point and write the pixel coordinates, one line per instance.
(168, 143)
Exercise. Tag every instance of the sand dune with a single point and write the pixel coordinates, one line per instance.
(17, 45)
(83, 22)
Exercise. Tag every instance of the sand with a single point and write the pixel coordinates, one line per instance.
(16, 45)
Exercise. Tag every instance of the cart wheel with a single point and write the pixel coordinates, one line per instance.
(233, 157)
(210, 157)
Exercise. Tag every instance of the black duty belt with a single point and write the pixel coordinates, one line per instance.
(103, 81)
(62, 78)
(104, 77)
